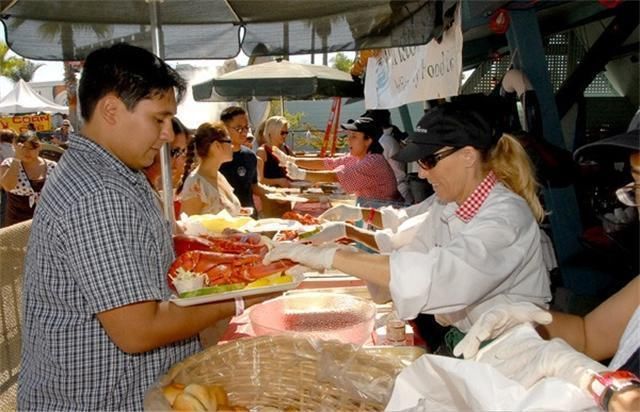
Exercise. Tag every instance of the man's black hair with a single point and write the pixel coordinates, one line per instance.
(131, 73)
(231, 112)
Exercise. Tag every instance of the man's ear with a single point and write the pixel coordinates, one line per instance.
(108, 108)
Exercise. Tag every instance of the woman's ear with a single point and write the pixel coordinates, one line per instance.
(470, 156)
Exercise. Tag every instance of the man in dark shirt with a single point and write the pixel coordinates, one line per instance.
(241, 171)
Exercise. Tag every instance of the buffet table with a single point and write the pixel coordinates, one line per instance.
(330, 282)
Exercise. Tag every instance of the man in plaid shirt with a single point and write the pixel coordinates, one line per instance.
(98, 328)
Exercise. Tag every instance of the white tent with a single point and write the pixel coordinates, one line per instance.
(22, 99)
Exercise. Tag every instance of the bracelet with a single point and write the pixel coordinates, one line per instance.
(370, 216)
(239, 306)
(607, 383)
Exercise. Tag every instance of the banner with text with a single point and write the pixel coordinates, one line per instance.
(410, 74)
(20, 122)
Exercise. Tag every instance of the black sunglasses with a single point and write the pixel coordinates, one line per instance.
(429, 162)
(178, 151)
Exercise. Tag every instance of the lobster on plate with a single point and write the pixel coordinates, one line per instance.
(225, 268)
(305, 219)
(236, 243)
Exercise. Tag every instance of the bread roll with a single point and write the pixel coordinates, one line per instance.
(171, 391)
(186, 402)
(201, 393)
(218, 393)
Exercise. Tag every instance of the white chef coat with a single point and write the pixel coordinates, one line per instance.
(441, 265)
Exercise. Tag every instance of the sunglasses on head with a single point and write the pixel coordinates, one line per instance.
(29, 144)
(429, 162)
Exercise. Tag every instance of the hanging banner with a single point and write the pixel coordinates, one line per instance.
(20, 122)
(410, 74)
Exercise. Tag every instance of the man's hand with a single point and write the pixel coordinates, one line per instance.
(496, 321)
(294, 172)
(342, 213)
(282, 157)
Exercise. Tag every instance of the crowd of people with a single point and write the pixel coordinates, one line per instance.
(470, 257)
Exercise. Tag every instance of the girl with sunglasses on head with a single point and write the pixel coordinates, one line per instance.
(276, 130)
(205, 189)
(23, 177)
(474, 243)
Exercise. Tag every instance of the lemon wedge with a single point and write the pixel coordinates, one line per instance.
(258, 283)
(282, 279)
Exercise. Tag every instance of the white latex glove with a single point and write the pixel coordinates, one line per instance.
(329, 232)
(522, 355)
(315, 257)
(282, 157)
(342, 213)
(496, 321)
(294, 172)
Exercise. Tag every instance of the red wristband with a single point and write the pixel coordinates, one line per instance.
(370, 216)
(605, 384)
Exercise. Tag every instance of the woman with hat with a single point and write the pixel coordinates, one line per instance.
(610, 331)
(364, 171)
(473, 244)
(23, 177)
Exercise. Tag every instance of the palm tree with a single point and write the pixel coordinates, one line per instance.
(7, 65)
(24, 70)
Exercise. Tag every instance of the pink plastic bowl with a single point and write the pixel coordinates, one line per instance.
(323, 315)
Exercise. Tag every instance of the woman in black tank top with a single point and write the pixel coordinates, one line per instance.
(270, 172)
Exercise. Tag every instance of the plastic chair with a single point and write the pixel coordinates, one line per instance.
(13, 247)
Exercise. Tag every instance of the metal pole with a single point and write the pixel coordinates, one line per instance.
(165, 160)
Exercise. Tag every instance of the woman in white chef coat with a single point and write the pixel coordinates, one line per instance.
(471, 245)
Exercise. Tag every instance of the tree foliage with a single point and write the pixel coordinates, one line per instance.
(342, 62)
(16, 68)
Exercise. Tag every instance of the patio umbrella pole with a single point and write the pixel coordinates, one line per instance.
(165, 165)
(282, 106)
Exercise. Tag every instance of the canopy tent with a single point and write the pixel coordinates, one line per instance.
(70, 29)
(22, 99)
(279, 79)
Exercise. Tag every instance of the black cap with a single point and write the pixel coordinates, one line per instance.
(451, 125)
(365, 125)
(614, 147)
(381, 116)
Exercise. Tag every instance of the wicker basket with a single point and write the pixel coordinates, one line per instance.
(290, 372)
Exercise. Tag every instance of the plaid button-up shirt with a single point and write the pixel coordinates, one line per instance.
(98, 242)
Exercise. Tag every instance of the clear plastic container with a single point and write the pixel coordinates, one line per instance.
(323, 315)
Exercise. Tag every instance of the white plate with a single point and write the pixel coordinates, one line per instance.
(216, 297)
(273, 225)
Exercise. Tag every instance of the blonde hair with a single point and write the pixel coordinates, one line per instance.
(274, 124)
(513, 167)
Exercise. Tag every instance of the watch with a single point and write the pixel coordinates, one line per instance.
(606, 384)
